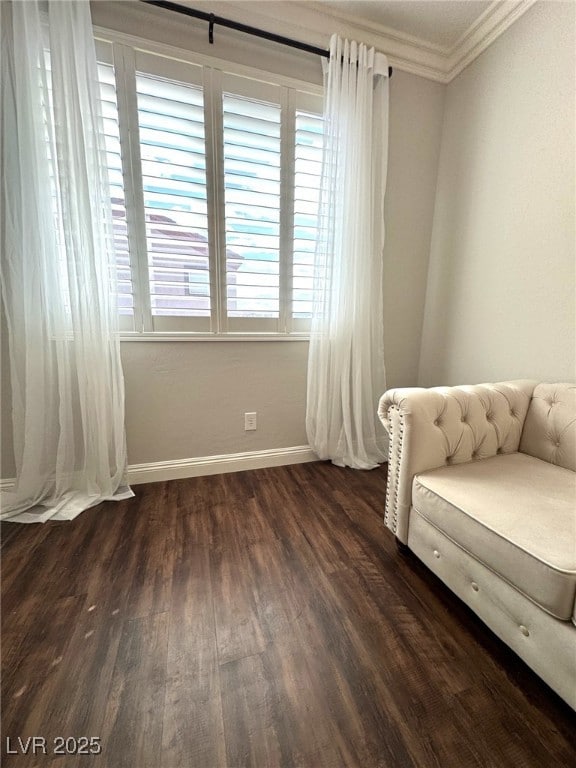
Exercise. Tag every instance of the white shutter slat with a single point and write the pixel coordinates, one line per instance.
(259, 278)
(177, 125)
(172, 202)
(164, 169)
(169, 186)
(153, 105)
(248, 199)
(249, 139)
(251, 154)
(245, 170)
(168, 90)
(171, 140)
(260, 266)
(306, 152)
(239, 124)
(241, 181)
(251, 108)
(112, 144)
(156, 227)
(171, 155)
(247, 237)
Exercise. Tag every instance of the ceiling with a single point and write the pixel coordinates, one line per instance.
(439, 22)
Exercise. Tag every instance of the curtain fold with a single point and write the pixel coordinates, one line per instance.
(58, 268)
(346, 355)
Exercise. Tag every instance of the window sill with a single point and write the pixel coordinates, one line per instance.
(190, 336)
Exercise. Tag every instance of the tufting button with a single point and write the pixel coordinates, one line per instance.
(524, 631)
(436, 553)
(557, 444)
(475, 586)
(499, 450)
(474, 454)
(513, 413)
(489, 416)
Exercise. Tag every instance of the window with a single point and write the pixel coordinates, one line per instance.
(214, 180)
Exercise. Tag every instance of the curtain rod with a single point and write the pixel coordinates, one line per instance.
(212, 19)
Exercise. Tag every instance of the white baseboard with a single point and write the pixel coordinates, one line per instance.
(216, 465)
(157, 471)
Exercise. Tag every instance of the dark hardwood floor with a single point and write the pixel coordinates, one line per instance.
(258, 619)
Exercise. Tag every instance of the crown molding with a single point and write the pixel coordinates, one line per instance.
(312, 23)
(484, 31)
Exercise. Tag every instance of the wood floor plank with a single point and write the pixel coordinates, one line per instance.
(31, 655)
(250, 715)
(239, 631)
(193, 728)
(262, 619)
(77, 702)
(133, 723)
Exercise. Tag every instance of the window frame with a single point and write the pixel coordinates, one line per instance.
(129, 55)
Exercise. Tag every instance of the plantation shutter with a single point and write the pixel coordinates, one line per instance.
(214, 183)
(251, 142)
(109, 107)
(307, 172)
(171, 122)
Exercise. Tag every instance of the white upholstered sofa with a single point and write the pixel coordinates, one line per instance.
(482, 488)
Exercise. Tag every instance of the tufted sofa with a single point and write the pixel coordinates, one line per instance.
(482, 488)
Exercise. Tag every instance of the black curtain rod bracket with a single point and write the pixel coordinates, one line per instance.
(211, 29)
(213, 19)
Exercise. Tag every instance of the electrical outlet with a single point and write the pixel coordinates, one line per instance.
(250, 421)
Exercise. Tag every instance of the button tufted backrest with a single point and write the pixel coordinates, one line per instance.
(478, 421)
(550, 427)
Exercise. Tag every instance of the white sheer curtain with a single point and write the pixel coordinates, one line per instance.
(346, 358)
(56, 268)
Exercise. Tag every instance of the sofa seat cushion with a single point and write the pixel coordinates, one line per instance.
(515, 514)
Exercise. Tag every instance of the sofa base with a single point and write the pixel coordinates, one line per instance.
(546, 644)
(403, 549)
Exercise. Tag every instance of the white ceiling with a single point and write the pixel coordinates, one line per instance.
(440, 22)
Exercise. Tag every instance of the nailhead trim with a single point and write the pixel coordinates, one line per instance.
(391, 436)
(396, 491)
(391, 510)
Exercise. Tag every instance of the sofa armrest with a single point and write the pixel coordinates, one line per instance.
(429, 428)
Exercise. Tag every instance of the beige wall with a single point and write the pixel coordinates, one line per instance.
(501, 289)
(187, 399)
(416, 110)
